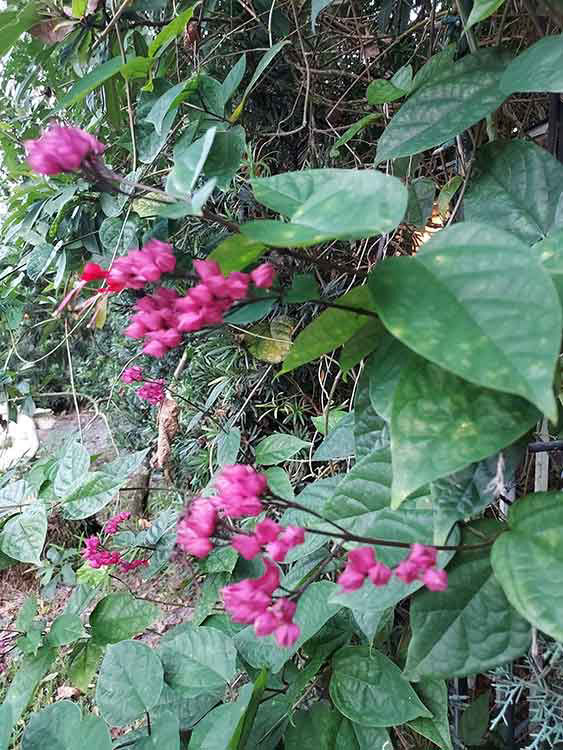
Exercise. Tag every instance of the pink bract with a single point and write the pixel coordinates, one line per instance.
(61, 149)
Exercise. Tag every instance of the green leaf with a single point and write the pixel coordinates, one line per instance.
(118, 236)
(279, 483)
(277, 448)
(538, 68)
(246, 722)
(353, 131)
(313, 611)
(13, 24)
(339, 442)
(370, 430)
(79, 8)
(382, 91)
(421, 201)
(188, 164)
(314, 728)
(90, 82)
(136, 67)
(84, 664)
(482, 9)
(123, 467)
(170, 32)
(236, 252)
(384, 369)
(233, 78)
(119, 616)
(369, 689)
(61, 726)
(316, 7)
(327, 204)
(6, 724)
(330, 329)
(526, 559)
(26, 614)
(360, 345)
(434, 695)
(197, 659)
(364, 489)
(458, 301)
(23, 536)
(329, 420)
(165, 731)
(73, 465)
(474, 721)
(470, 627)
(225, 156)
(67, 628)
(215, 731)
(39, 260)
(456, 97)
(31, 671)
(171, 98)
(433, 69)
(15, 496)
(130, 682)
(448, 191)
(440, 424)
(265, 60)
(304, 287)
(550, 254)
(516, 186)
(228, 446)
(90, 497)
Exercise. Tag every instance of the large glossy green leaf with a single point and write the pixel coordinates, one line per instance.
(14, 23)
(169, 32)
(215, 731)
(434, 695)
(90, 82)
(326, 204)
(197, 659)
(313, 611)
(15, 496)
(73, 465)
(550, 253)
(538, 68)
(370, 430)
(339, 443)
(260, 68)
(470, 627)
(330, 329)
(225, 156)
(365, 488)
(123, 467)
(313, 728)
(369, 689)
(61, 726)
(458, 303)
(384, 369)
(278, 447)
(528, 559)
(455, 98)
(188, 164)
(234, 77)
(31, 671)
(67, 628)
(236, 252)
(516, 186)
(130, 682)
(440, 424)
(23, 536)
(119, 616)
(84, 664)
(482, 9)
(95, 492)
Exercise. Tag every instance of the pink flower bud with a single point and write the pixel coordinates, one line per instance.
(206, 269)
(132, 374)
(350, 579)
(379, 574)
(423, 556)
(61, 149)
(247, 546)
(155, 349)
(435, 580)
(265, 624)
(135, 330)
(190, 321)
(93, 272)
(407, 571)
(236, 285)
(292, 536)
(263, 276)
(277, 550)
(361, 559)
(266, 531)
(286, 635)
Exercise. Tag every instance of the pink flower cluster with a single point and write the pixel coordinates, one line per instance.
(240, 488)
(207, 302)
(132, 375)
(152, 392)
(98, 557)
(156, 321)
(275, 539)
(112, 526)
(419, 565)
(134, 270)
(250, 602)
(194, 530)
(61, 149)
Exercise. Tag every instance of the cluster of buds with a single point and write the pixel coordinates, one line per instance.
(98, 557)
(132, 375)
(112, 526)
(276, 540)
(156, 321)
(419, 565)
(250, 602)
(152, 392)
(63, 149)
(134, 270)
(194, 530)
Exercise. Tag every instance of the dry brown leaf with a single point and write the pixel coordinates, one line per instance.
(167, 429)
